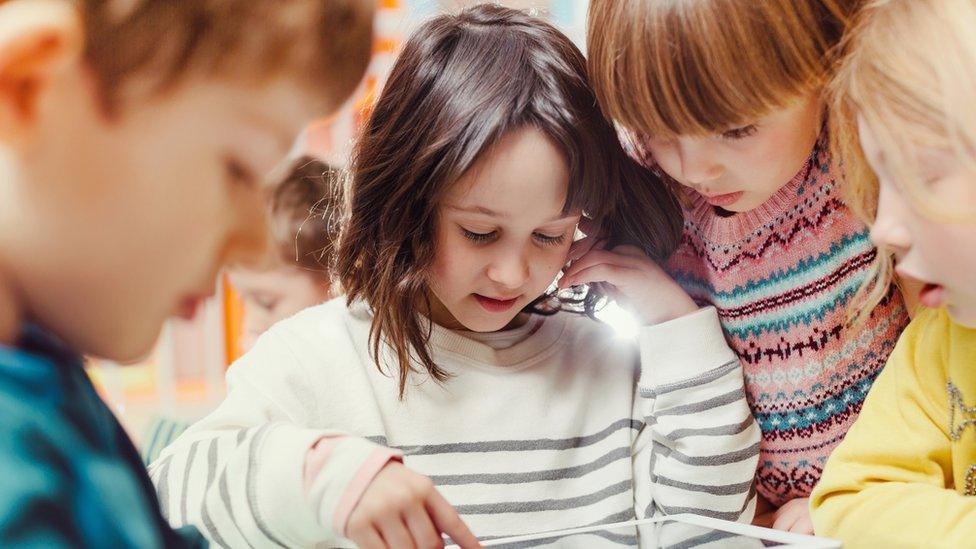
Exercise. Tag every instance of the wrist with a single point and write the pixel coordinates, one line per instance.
(679, 307)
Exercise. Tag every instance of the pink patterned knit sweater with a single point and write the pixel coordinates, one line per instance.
(781, 277)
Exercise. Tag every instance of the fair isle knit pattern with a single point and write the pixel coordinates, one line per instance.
(782, 277)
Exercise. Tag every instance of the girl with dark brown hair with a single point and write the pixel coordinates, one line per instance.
(455, 370)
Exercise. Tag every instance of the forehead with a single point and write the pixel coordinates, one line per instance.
(271, 280)
(524, 175)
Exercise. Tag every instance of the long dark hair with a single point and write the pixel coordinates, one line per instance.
(461, 83)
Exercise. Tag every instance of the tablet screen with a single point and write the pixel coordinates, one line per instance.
(678, 532)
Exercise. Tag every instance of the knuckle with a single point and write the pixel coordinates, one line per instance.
(424, 485)
(356, 528)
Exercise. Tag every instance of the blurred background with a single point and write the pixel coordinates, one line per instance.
(183, 379)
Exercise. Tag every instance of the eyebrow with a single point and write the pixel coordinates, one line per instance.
(284, 138)
(492, 213)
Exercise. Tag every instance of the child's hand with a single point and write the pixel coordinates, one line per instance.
(794, 516)
(403, 509)
(653, 295)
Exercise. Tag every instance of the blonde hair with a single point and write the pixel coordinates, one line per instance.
(695, 67)
(908, 71)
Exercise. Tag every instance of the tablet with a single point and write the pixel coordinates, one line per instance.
(671, 532)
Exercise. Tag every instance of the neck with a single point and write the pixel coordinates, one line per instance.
(11, 309)
(10, 314)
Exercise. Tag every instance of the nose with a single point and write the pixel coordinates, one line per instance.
(698, 165)
(889, 229)
(509, 268)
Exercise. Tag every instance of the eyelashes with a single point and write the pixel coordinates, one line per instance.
(480, 238)
(549, 240)
(741, 133)
(483, 238)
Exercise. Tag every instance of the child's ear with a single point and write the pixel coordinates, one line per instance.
(38, 38)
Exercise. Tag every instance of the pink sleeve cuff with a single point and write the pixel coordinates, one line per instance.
(364, 476)
(316, 459)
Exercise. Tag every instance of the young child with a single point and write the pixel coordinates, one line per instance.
(436, 392)
(905, 475)
(292, 276)
(134, 138)
(305, 210)
(723, 99)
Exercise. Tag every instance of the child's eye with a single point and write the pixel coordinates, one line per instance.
(237, 172)
(740, 133)
(549, 240)
(266, 303)
(479, 237)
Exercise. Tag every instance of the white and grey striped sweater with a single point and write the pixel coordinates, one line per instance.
(571, 426)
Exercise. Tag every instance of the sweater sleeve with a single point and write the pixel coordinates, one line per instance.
(889, 483)
(700, 445)
(238, 475)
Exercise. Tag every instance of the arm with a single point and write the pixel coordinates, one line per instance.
(700, 446)
(888, 483)
(239, 474)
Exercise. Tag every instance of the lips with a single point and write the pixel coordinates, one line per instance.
(189, 306)
(722, 200)
(932, 296)
(494, 305)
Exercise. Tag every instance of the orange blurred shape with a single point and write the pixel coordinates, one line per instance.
(233, 321)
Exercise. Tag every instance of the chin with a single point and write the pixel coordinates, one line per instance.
(963, 315)
(126, 350)
(744, 205)
(484, 324)
(750, 201)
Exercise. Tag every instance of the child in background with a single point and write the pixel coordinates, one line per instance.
(906, 474)
(436, 392)
(305, 211)
(723, 98)
(134, 139)
(295, 274)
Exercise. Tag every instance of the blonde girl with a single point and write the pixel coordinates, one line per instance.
(906, 474)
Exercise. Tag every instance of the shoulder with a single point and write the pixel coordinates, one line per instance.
(323, 328)
(920, 358)
(934, 336)
(315, 338)
(36, 444)
(586, 338)
(932, 330)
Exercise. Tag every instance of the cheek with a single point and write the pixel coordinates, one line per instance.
(784, 152)
(549, 264)
(304, 293)
(952, 250)
(256, 317)
(455, 261)
(666, 157)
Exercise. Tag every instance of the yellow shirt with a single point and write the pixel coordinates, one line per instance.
(906, 473)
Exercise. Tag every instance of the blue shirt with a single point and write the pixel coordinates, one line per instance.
(69, 475)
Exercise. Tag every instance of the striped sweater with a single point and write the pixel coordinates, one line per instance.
(568, 426)
(782, 277)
